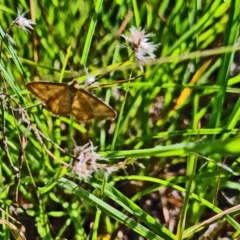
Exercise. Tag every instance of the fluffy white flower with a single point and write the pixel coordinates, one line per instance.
(138, 41)
(24, 23)
(85, 163)
(10, 39)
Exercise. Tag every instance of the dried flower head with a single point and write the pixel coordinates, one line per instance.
(22, 22)
(85, 163)
(138, 42)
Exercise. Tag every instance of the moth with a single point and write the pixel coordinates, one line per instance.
(68, 99)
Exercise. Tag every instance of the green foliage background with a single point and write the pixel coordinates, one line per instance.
(186, 141)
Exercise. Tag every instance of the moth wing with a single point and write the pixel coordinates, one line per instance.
(86, 106)
(55, 96)
(44, 90)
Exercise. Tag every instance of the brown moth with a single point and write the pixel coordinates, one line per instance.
(63, 99)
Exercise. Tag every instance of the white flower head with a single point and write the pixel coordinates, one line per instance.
(138, 41)
(24, 23)
(85, 163)
(10, 39)
(91, 80)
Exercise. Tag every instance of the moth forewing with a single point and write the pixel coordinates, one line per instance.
(86, 106)
(45, 90)
(101, 109)
(55, 96)
(60, 103)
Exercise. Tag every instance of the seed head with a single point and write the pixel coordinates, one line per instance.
(138, 41)
(24, 23)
